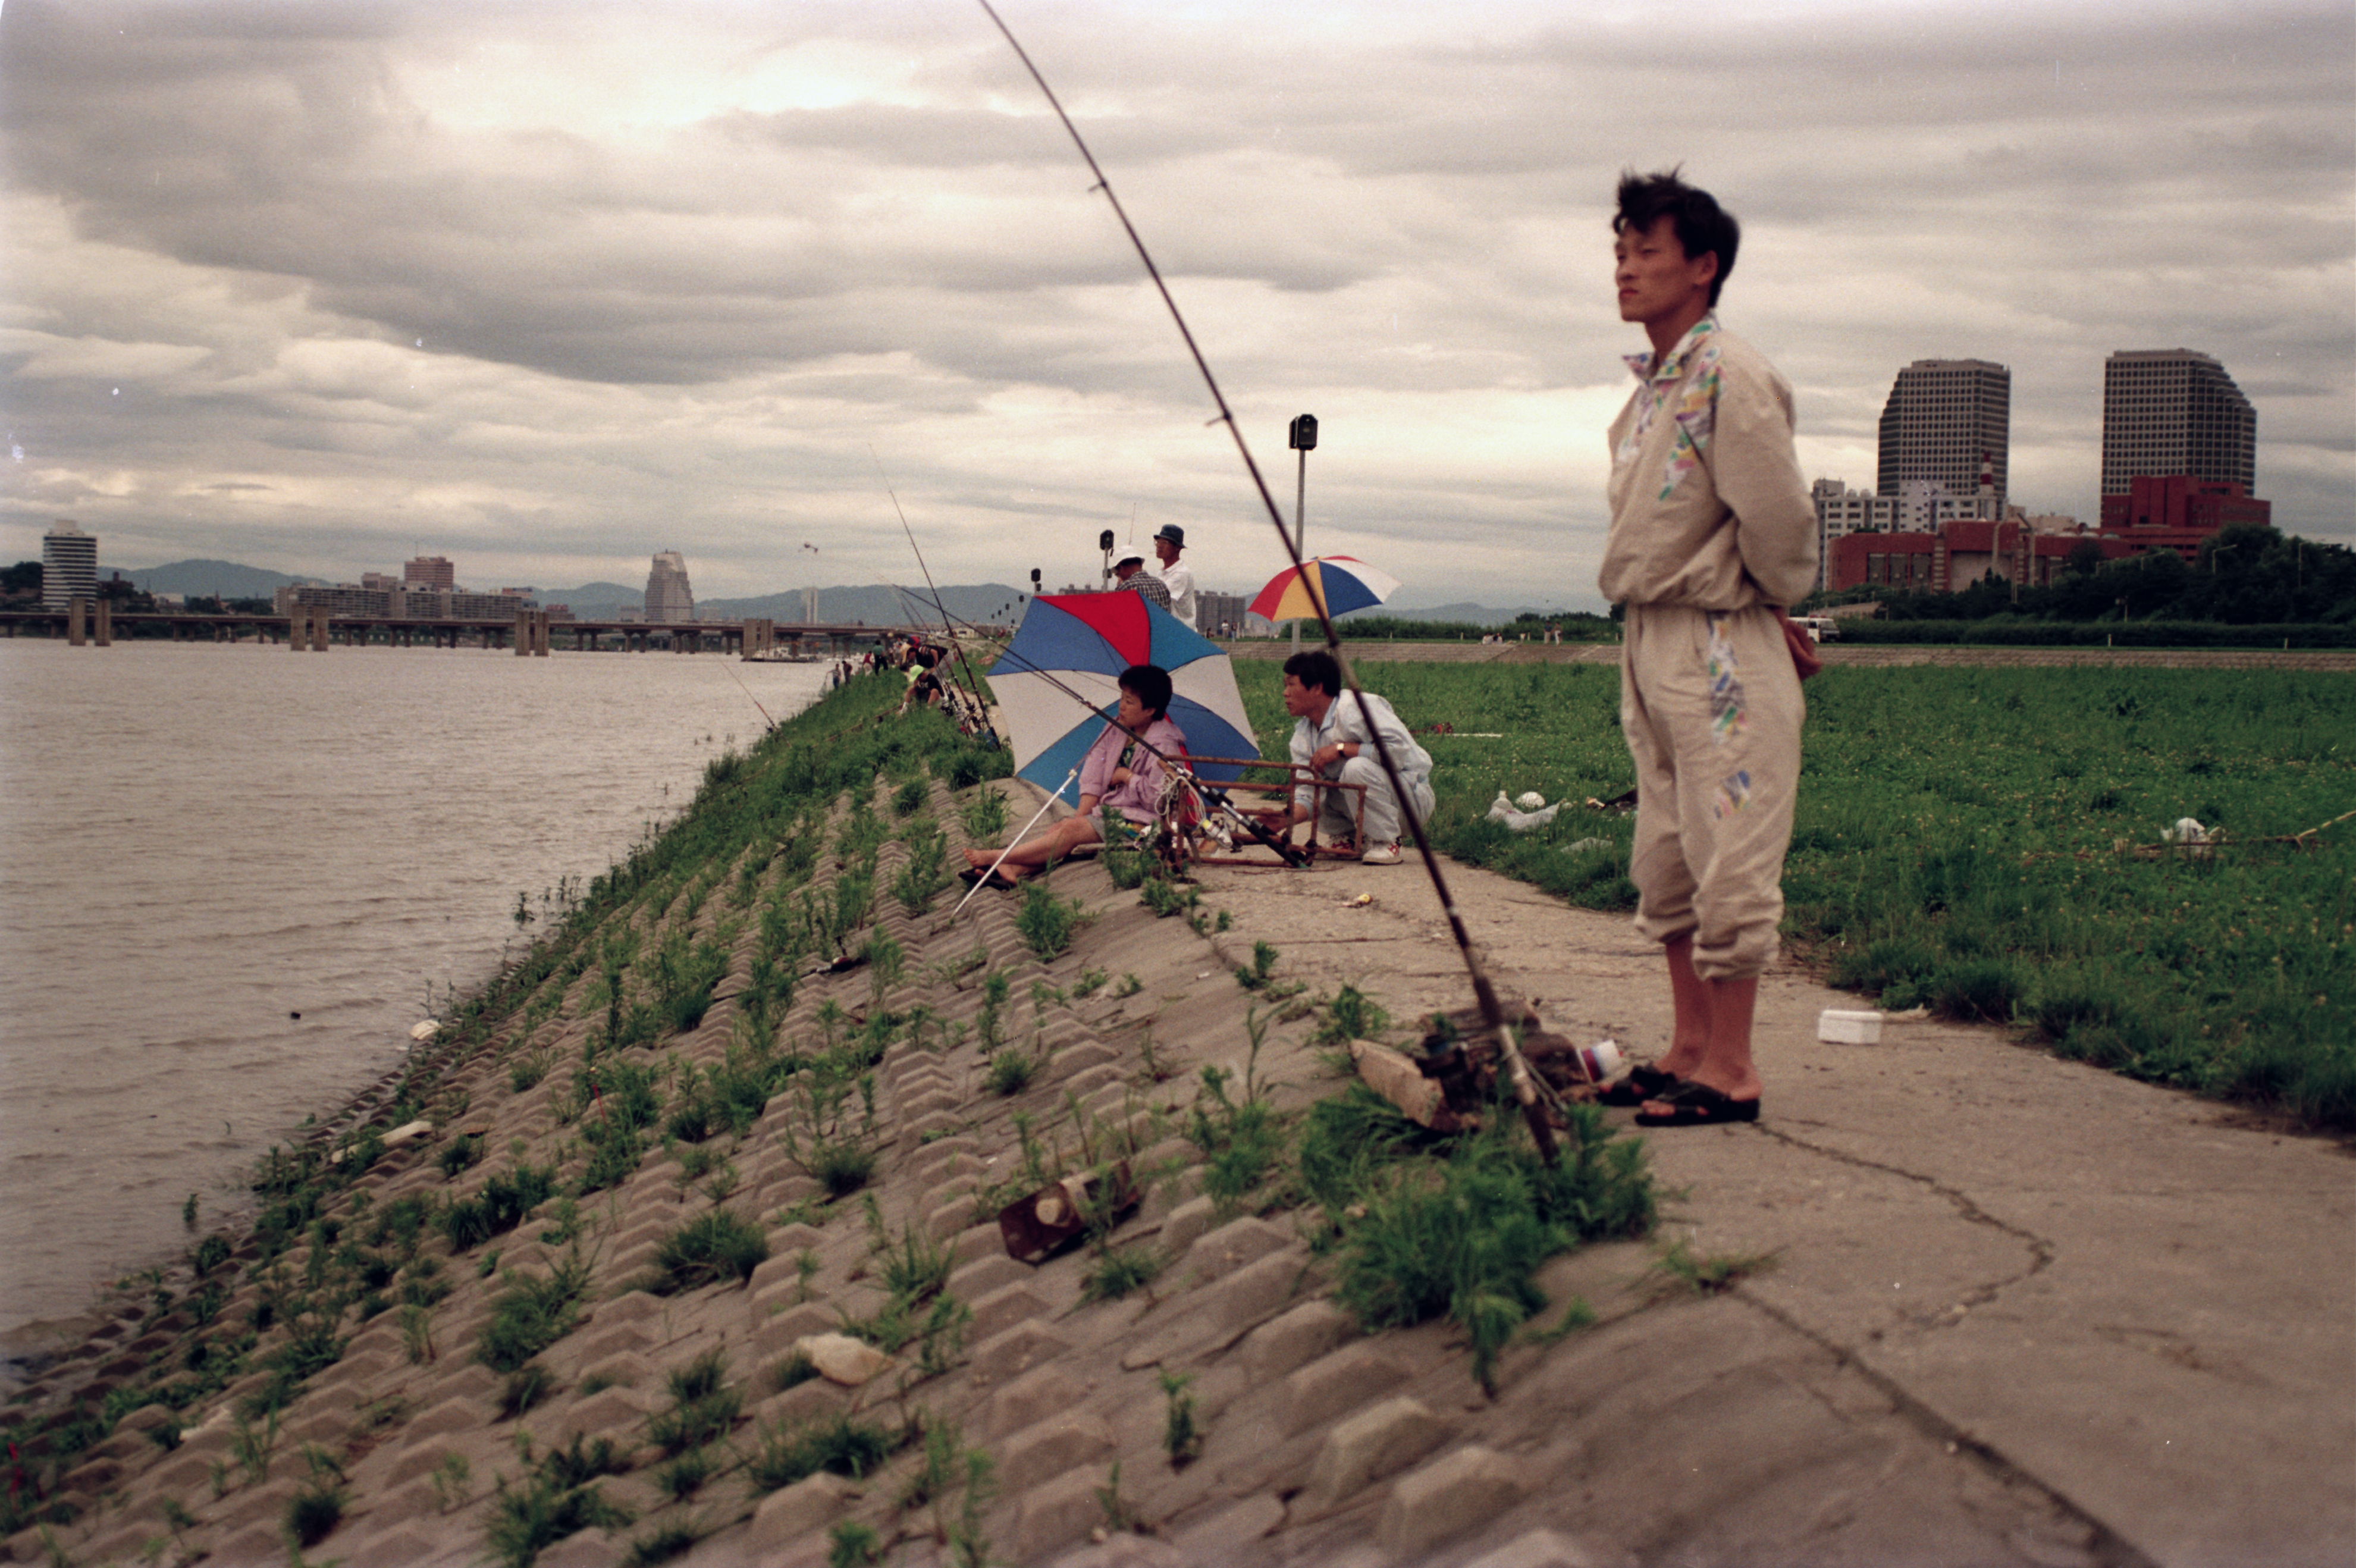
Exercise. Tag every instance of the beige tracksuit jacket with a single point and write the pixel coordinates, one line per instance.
(1711, 524)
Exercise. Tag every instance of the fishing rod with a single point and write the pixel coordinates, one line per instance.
(984, 880)
(748, 691)
(972, 678)
(1492, 1011)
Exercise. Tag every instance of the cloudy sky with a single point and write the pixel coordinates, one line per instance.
(547, 286)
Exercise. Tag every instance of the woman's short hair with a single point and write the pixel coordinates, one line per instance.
(1151, 683)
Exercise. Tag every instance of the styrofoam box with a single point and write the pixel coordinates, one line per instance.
(1842, 1027)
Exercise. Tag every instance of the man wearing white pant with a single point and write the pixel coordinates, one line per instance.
(1336, 737)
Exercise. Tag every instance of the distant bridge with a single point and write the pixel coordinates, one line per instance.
(532, 632)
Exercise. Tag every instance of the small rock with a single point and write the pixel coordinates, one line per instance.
(842, 1359)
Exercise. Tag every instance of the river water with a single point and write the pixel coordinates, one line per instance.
(232, 879)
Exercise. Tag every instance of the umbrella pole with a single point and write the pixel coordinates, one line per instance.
(1002, 853)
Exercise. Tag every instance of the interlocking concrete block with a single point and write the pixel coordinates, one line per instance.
(1029, 1399)
(925, 1163)
(1184, 1225)
(1051, 1447)
(602, 1339)
(624, 1368)
(1062, 1509)
(985, 1275)
(638, 1307)
(1001, 1309)
(588, 1549)
(1010, 1355)
(1538, 1549)
(1334, 1385)
(774, 1338)
(811, 1399)
(1125, 1550)
(1079, 1058)
(1230, 1247)
(789, 1241)
(951, 1217)
(1454, 1494)
(794, 1513)
(1251, 1293)
(611, 1413)
(1222, 1537)
(934, 1121)
(1283, 1344)
(460, 1414)
(983, 1241)
(1368, 1447)
(1091, 1080)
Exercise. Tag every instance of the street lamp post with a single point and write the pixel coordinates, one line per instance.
(1301, 436)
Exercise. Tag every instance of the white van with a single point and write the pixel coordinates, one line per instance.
(1821, 627)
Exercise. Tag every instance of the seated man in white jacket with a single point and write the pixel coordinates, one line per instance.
(1333, 737)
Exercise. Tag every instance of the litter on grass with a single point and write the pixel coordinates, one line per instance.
(1502, 809)
(1531, 800)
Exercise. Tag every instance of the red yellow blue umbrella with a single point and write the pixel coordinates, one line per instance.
(1343, 582)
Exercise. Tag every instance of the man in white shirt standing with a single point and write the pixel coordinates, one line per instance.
(1175, 574)
(1336, 737)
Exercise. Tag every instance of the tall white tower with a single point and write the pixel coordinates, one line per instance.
(69, 565)
(669, 598)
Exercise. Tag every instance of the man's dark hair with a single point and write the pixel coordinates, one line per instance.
(1316, 669)
(1703, 227)
(1151, 683)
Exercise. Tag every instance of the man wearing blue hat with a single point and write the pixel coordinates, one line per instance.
(1175, 574)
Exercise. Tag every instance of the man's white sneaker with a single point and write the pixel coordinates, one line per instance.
(1380, 854)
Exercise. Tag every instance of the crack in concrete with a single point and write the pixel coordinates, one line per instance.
(2105, 1546)
(2041, 1251)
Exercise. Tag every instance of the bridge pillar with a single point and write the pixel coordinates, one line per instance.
(320, 630)
(105, 623)
(77, 610)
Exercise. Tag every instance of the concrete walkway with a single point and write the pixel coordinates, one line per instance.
(2051, 1314)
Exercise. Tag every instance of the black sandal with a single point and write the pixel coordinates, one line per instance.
(1698, 1105)
(1644, 1081)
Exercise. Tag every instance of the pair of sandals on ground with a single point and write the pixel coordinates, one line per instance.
(1684, 1103)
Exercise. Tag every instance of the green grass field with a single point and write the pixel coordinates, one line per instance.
(1966, 837)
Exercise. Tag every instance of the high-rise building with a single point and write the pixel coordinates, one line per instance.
(669, 598)
(1944, 420)
(69, 565)
(429, 572)
(2170, 411)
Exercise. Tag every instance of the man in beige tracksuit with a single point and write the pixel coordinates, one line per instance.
(1712, 531)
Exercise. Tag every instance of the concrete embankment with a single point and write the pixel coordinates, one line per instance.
(1965, 1303)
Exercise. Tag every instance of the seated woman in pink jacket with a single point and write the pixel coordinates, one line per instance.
(1117, 775)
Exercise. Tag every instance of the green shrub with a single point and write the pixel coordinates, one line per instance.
(530, 1314)
(791, 1452)
(1046, 922)
(715, 1245)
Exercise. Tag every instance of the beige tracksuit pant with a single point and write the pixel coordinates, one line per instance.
(1711, 707)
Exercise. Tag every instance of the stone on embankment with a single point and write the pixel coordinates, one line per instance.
(1455, 1494)
(842, 1359)
(1368, 1447)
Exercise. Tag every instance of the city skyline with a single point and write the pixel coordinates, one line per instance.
(328, 284)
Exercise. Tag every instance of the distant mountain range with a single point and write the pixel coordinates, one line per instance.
(227, 578)
(984, 603)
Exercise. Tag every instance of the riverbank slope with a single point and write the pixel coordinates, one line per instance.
(1953, 1300)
